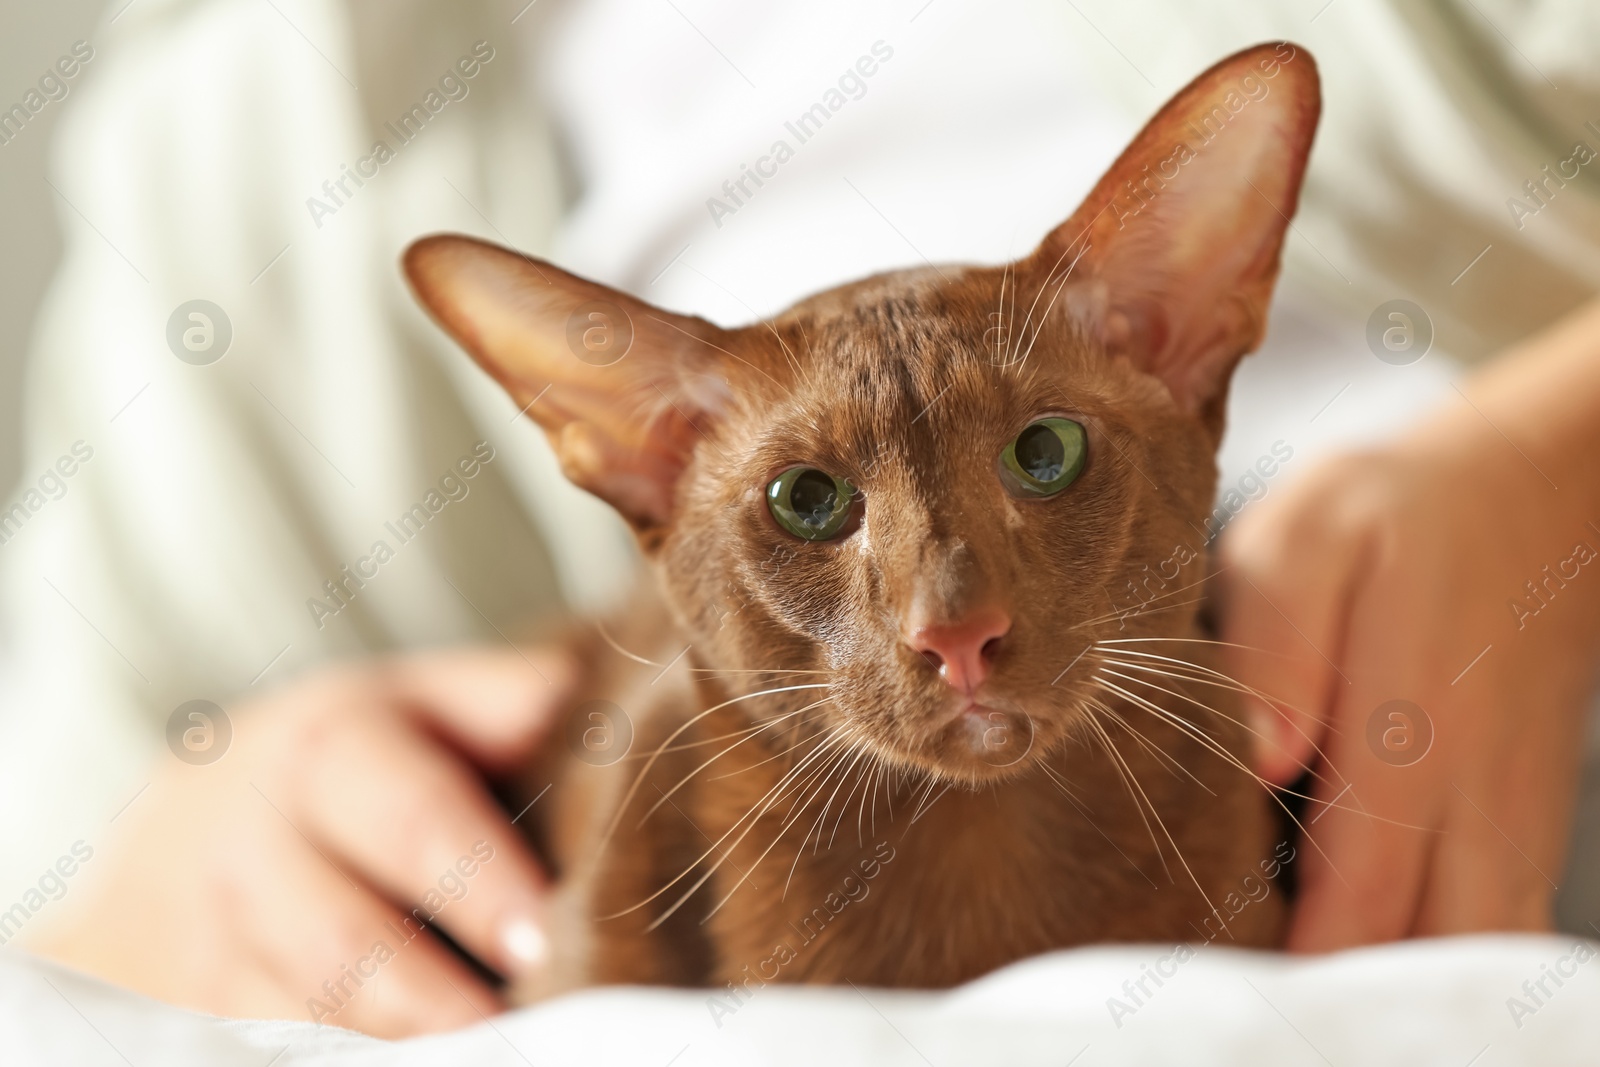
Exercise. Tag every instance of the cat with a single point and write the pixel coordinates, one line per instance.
(922, 687)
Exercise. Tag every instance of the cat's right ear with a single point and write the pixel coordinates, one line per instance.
(1173, 255)
(623, 389)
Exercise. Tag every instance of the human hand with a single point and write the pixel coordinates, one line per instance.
(258, 885)
(1391, 575)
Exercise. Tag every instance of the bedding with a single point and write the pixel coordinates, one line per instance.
(1482, 1001)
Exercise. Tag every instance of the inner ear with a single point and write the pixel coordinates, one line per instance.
(1171, 260)
(623, 389)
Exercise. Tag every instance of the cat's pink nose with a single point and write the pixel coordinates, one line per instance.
(963, 651)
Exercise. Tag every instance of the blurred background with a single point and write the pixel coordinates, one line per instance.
(36, 34)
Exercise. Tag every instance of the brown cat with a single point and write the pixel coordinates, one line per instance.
(925, 690)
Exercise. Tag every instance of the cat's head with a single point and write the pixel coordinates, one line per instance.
(934, 485)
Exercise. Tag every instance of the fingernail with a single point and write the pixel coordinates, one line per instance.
(524, 943)
(1265, 722)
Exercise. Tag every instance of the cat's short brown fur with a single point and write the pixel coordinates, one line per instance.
(814, 790)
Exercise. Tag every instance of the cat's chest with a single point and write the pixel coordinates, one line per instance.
(949, 886)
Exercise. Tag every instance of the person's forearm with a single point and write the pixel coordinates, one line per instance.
(1541, 401)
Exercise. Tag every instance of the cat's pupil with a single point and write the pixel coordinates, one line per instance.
(1041, 453)
(813, 497)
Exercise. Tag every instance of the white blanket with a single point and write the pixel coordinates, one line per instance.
(1456, 1002)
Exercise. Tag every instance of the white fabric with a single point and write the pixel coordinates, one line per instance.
(1419, 1004)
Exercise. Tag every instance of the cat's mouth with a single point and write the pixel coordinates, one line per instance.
(983, 737)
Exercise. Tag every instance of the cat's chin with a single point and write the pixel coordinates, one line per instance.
(986, 741)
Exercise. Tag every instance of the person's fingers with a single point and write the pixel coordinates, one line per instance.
(1486, 878)
(1360, 878)
(1284, 586)
(1507, 818)
(494, 704)
(351, 960)
(414, 821)
(1373, 826)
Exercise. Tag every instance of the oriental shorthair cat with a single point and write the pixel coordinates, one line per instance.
(877, 716)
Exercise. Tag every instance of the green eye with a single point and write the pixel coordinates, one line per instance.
(809, 503)
(1045, 458)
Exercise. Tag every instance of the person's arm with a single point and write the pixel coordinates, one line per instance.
(1457, 570)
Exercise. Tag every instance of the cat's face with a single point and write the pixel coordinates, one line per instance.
(956, 592)
(929, 487)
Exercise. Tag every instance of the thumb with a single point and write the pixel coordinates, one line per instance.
(1283, 600)
(496, 705)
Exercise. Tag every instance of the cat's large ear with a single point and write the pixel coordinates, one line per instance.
(622, 389)
(1174, 254)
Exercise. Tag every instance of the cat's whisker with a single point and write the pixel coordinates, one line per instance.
(731, 355)
(1011, 317)
(825, 741)
(925, 804)
(811, 355)
(759, 670)
(844, 805)
(927, 791)
(1061, 783)
(775, 756)
(1209, 676)
(1000, 311)
(883, 782)
(1276, 790)
(748, 735)
(1176, 850)
(633, 789)
(1194, 641)
(1143, 607)
(845, 766)
(703, 742)
(1228, 757)
(788, 353)
(1134, 792)
(1139, 611)
(1039, 331)
(847, 735)
(861, 811)
(859, 767)
(1162, 756)
(1191, 729)
(1008, 274)
(616, 647)
(1064, 788)
(1050, 277)
(802, 804)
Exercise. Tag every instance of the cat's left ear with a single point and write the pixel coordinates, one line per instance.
(622, 389)
(1173, 256)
